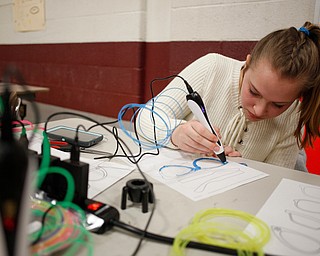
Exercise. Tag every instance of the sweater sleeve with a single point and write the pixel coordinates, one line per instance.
(169, 108)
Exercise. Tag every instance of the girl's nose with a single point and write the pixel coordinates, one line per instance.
(260, 109)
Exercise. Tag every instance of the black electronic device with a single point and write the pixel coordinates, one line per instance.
(65, 133)
(55, 185)
(102, 218)
(80, 174)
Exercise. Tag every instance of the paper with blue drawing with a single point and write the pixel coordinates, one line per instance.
(197, 177)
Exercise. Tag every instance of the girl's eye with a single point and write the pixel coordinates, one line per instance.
(277, 105)
(253, 92)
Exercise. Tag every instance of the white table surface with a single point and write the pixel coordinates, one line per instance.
(173, 210)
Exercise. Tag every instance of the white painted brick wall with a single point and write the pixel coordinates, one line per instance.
(159, 20)
(236, 19)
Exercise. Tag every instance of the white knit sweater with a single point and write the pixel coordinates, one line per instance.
(216, 79)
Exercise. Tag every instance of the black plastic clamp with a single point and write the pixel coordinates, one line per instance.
(139, 192)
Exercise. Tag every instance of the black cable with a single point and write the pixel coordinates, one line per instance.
(140, 155)
(115, 135)
(189, 88)
(115, 132)
(170, 240)
(75, 148)
(104, 123)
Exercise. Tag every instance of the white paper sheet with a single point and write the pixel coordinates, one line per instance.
(293, 214)
(102, 173)
(176, 169)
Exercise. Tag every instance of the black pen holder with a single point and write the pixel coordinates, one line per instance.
(139, 191)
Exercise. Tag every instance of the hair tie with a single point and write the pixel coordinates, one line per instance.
(305, 30)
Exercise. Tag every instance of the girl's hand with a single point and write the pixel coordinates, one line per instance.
(230, 152)
(193, 137)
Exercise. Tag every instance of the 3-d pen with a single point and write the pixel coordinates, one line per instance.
(197, 107)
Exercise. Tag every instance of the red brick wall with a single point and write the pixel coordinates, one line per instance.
(97, 78)
(102, 77)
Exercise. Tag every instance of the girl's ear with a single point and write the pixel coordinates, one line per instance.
(248, 59)
(244, 69)
(246, 64)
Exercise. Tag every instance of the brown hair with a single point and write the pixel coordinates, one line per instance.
(295, 54)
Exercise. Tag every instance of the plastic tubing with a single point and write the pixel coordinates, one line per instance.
(140, 106)
(155, 112)
(62, 229)
(206, 228)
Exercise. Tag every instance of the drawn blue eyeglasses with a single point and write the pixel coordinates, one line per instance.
(203, 163)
